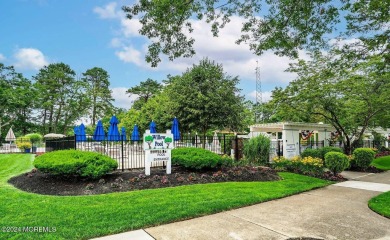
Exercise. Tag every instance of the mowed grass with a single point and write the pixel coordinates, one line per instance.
(381, 204)
(382, 163)
(83, 217)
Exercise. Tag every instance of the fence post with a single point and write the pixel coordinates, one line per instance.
(236, 148)
(224, 144)
(196, 140)
(75, 144)
(122, 154)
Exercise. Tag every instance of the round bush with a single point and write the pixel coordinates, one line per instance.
(195, 158)
(363, 157)
(314, 153)
(75, 163)
(336, 162)
(323, 151)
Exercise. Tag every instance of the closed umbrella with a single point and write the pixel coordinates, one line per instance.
(76, 130)
(113, 133)
(215, 139)
(153, 127)
(175, 130)
(123, 134)
(135, 134)
(82, 135)
(10, 137)
(98, 135)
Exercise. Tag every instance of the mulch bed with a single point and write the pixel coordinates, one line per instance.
(42, 183)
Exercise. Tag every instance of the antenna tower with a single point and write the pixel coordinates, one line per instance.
(259, 96)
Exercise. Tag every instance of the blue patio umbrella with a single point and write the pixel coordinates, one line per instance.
(113, 132)
(98, 135)
(76, 132)
(82, 135)
(153, 127)
(175, 130)
(135, 134)
(123, 134)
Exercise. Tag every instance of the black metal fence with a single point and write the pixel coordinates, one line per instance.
(130, 154)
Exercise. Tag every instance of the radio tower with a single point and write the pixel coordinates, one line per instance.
(259, 97)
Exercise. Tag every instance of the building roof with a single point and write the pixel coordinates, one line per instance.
(278, 127)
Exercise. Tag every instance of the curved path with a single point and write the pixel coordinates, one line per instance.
(338, 211)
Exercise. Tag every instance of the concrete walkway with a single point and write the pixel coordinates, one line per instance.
(338, 211)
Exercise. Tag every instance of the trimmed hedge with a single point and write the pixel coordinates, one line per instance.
(196, 158)
(75, 163)
(314, 153)
(323, 151)
(336, 162)
(363, 157)
(319, 153)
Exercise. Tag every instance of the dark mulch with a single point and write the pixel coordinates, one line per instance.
(42, 183)
(370, 169)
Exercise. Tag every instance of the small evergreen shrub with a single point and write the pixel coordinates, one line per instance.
(363, 157)
(314, 153)
(323, 151)
(257, 149)
(195, 158)
(70, 163)
(34, 137)
(336, 162)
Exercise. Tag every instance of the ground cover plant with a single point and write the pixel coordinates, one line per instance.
(382, 163)
(381, 204)
(83, 217)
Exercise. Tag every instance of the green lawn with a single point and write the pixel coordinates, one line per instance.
(382, 163)
(83, 217)
(381, 204)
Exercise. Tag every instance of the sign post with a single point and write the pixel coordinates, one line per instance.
(157, 147)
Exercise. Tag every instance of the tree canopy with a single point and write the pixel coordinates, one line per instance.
(283, 26)
(351, 98)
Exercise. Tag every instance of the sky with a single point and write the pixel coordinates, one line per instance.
(95, 33)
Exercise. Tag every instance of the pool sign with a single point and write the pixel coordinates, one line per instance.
(157, 147)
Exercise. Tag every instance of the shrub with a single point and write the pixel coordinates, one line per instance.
(195, 158)
(225, 161)
(257, 149)
(23, 143)
(315, 153)
(323, 151)
(363, 157)
(75, 163)
(336, 162)
(307, 165)
(34, 137)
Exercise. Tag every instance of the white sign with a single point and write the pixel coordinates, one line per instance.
(159, 155)
(290, 150)
(157, 147)
(154, 141)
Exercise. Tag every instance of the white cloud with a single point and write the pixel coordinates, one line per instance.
(130, 55)
(237, 60)
(130, 27)
(108, 12)
(122, 99)
(2, 57)
(116, 43)
(266, 96)
(30, 58)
